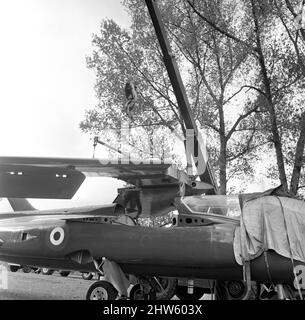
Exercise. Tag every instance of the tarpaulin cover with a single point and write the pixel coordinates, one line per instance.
(271, 223)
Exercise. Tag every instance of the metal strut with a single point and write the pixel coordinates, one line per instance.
(98, 266)
(98, 141)
(198, 152)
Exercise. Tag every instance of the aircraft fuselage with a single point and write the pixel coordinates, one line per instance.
(53, 241)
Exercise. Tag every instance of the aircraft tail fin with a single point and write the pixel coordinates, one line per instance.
(20, 204)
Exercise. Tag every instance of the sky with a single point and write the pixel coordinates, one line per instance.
(45, 86)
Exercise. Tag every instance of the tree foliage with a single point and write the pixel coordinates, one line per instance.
(243, 67)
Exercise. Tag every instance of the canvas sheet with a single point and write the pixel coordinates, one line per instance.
(271, 222)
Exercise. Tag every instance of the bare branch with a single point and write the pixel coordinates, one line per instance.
(211, 126)
(287, 85)
(237, 122)
(225, 33)
(233, 95)
(295, 14)
(241, 88)
(294, 41)
(290, 7)
(255, 88)
(236, 169)
(246, 150)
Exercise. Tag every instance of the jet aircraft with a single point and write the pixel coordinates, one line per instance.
(200, 244)
(251, 246)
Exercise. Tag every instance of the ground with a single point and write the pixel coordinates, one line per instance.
(31, 286)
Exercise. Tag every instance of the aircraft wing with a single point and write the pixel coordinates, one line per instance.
(60, 178)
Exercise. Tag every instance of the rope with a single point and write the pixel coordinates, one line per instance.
(265, 252)
(268, 267)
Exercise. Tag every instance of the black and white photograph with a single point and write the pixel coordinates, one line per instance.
(152, 150)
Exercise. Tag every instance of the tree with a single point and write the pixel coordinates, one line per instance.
(119, 57)
(288, 14)
(276, 64)
(213, 66)
(215, 63)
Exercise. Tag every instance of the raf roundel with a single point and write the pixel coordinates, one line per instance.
(57, 236)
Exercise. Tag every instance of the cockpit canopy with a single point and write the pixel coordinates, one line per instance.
(224, 205)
